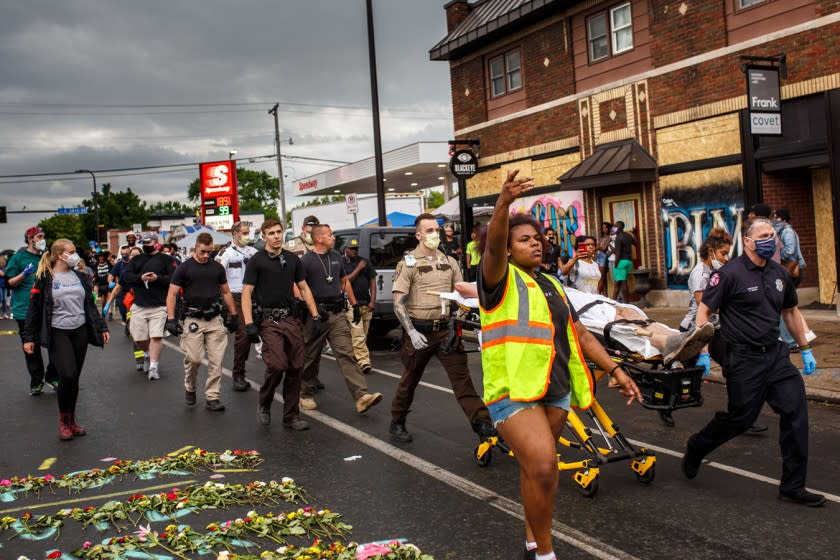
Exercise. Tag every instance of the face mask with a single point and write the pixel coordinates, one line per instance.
(245, 239)
(72, 260)
(432, 240)
(716, 264)
(307, 237)
(148, 249)
(41, 245)
(765, 248)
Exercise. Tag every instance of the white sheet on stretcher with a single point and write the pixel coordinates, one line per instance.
(595, 318)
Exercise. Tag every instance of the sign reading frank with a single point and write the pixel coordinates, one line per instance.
(765, 101)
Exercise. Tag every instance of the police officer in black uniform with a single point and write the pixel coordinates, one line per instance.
(268, 283)
(751, 293)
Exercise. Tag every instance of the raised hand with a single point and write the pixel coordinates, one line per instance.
(514, 187)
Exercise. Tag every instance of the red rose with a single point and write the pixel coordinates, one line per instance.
(54, 554)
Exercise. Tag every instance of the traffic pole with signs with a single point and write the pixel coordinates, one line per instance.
(463, 163)
(219, 196)
(352, 201)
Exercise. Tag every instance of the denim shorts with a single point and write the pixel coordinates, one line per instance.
(504, 408)
(601, 259)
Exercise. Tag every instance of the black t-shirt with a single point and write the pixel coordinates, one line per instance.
(155, 294)
(559, 384)
(102, 272)
(324, 274)
(273, 278)
(201, 282)
(550, 256)
(450, 248)
(750, 299)
(623, 246)
(361, 285)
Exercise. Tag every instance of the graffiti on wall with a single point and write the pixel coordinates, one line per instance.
(562, 211)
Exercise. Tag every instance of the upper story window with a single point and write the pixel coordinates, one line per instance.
(747, 3)
(610, 32)
(505, 73)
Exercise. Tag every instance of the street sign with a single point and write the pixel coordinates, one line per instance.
(72, 211)
(463, 164)
(764, 100)
(352, 203)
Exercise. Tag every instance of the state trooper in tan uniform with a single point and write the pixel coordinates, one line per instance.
(419, 277)
(303, 243)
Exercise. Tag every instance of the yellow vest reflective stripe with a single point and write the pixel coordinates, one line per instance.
(517, 345)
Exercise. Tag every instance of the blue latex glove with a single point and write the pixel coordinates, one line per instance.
(705, 360)
(809, 362)
(28, 270)
(106, 309)
(111, 285)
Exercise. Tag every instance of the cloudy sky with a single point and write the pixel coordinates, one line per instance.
(114, 84)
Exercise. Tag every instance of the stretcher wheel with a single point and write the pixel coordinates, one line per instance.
(482, 460)
(648, 477)
(590, 489)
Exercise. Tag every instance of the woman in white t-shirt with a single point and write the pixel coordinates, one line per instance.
(582, 271)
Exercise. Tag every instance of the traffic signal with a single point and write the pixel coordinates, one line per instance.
(2, 214)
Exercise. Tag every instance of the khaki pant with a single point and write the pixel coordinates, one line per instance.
(359, 332)
(336, 330)
(200, 335)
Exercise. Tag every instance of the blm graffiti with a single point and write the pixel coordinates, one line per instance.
(688, 215)
(561, 211)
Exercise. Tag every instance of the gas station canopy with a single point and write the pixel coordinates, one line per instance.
(421, 165)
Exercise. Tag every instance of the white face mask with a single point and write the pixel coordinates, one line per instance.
(41, 245)
(431, 240)
(307, 237)
(244, 239)
(716, 264)
(72, 260)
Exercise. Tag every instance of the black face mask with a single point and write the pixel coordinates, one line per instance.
(148, 249)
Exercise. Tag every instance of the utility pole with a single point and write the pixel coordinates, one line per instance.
(377, 138)
(273, 111)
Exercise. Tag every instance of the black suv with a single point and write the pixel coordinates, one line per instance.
(383, 247)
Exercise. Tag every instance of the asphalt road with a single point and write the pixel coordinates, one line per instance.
(431, 491)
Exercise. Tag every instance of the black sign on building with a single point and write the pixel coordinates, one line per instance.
(764, 100)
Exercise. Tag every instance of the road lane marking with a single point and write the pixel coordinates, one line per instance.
(560, 531)
(47, 463)
(30, 507)
(179, 451)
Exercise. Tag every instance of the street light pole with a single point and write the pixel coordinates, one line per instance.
(377, 137)
(273, 111)
(95, 201)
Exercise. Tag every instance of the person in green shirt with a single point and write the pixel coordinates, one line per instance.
(473, 254)
(20, 274)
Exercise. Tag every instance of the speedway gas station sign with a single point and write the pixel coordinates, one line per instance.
(219, 199)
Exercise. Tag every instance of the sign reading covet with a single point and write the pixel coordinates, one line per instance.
(765, 101)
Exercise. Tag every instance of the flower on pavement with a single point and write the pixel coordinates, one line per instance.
(144, 532)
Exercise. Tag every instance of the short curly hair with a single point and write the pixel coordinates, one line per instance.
(516, 220)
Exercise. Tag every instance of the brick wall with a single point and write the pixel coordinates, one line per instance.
(675, 36)
(791, 189)
(456, 12)
(468, 109)
(825, 7)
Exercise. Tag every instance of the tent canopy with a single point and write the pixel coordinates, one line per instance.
(395, 219)
(451, 210)
(219, 238)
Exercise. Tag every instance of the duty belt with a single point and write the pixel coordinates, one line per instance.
(276, 313)
(332, 305)
(430, 326)
(205, 313)
(762, 348)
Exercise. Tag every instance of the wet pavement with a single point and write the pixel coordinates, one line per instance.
(431, 492)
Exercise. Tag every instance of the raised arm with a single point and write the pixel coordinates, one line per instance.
(494, 260)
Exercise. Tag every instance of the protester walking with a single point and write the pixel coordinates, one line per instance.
(362, 278)
(204, 285)
(20, 275)
(624, 242)
(604, 250)
(533, 349)
(63, 318)
(235, 259)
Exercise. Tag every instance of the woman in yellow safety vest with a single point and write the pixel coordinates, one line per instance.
(532, 356)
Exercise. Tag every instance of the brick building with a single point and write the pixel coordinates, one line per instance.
(637, 110)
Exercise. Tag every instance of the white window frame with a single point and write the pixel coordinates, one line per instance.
(590, 39)
(614, 30)
(506, 73)
(493, 77)
(509, 71)
(742, 4)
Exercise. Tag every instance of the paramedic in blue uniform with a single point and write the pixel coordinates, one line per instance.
(751, 293)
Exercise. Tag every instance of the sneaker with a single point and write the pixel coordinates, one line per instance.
(319, 386)
(189, 397)
(692, 460)
(308, 403)
(215, 405)
(399, 433)
(803, 497)
(263, 416)
(36, 389)
(327, 348)
(757, 428)
(147, 365)
(153, 373)
(53, 384)
(667, 418)
(366, 401)
(298, 424)
(240, 384)
(140, 366)
(366, 369)
(685, 346)
(530, 554)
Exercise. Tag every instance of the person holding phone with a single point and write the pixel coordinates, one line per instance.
(582, 271)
